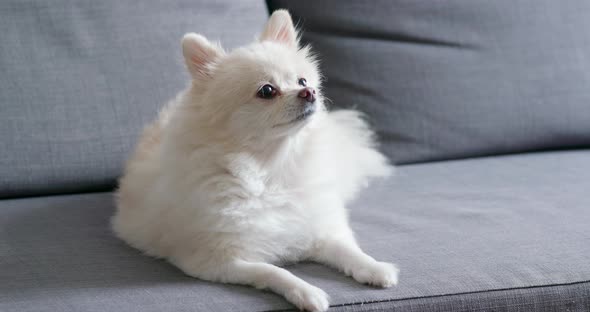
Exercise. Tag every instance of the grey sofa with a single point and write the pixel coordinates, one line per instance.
(485, 106)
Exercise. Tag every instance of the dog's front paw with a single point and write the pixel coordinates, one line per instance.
(379, 274)
(308, 298)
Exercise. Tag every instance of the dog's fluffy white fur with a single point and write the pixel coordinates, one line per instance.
(226, 185)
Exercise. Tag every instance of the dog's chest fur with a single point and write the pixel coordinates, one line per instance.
(271, 207)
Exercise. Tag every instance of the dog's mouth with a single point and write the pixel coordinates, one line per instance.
(307, 111)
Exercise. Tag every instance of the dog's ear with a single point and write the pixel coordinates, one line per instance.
(199, 55)
(279, 28)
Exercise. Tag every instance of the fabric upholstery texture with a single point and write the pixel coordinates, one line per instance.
(81, 78)
(492, 234)
(452, 79)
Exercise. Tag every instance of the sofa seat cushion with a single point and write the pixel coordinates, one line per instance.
(505, 233)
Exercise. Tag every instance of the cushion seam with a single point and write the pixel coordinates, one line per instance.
(445, 295)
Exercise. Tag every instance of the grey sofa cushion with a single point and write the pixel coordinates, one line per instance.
(494, 234)
(452, 79)
(80, 78)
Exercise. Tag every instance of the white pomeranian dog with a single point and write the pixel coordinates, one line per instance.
(246, 170)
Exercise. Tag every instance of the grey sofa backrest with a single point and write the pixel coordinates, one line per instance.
(78, 80)
(457, 78)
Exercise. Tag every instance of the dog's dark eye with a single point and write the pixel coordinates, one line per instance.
(267, 92)
(302, 82)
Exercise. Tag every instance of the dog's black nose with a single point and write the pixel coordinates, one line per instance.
(308, 94)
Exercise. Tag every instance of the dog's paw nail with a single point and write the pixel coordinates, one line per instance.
(380, 274)
(309, 298)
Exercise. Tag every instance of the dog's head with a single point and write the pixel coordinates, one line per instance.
(270, 87)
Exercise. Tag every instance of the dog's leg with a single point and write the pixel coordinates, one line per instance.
(267, 276)
(343, 253)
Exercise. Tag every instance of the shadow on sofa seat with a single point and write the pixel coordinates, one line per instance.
(476, 234)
